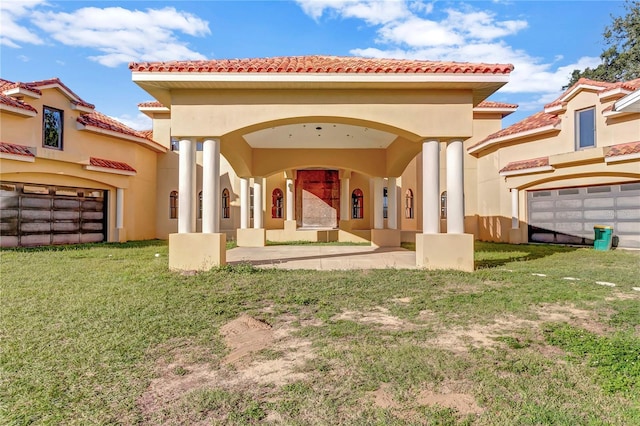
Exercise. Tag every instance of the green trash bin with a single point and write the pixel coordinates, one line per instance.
(603, 237)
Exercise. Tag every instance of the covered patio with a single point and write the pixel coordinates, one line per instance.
(321, 123)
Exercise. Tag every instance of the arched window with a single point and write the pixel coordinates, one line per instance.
(200, 205)
(357, 204)
(173, 205)
(277, 202)
(385, 203)
(226, 213)
(443, 205)
(408, 204)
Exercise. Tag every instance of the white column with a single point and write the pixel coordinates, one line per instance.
(187, 186)
(378, 204)
(119, 208)
(257, 202)
(211, 186)
(431, 187)
(455, 188)
(515, 209)
(345, 198)
(244, 203)
(289, 200)
(392, 205)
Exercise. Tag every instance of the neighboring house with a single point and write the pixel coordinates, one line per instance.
(70, 174)
(321, 148)
(556, 174)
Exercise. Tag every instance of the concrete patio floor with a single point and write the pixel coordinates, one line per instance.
(323, 257)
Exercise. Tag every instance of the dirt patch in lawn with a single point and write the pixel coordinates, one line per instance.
(378, 316)
(447, 395)
(260, 358)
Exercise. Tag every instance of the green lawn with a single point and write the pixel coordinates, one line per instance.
(105, 334)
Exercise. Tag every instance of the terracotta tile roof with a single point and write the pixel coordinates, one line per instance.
(102, 121)
(10, 148)
(56, 81)
(490, 104)
(630, 85)
(526, 164)
(322, 64)
(109, 164)
(623, 149)
(8, 85)
(150, 104)
(146, 134)
(535, 121)
(12, 102)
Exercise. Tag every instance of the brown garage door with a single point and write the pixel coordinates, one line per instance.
(568, 215)
(39, 215)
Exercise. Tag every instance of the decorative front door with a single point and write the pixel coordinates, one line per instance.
(318, 198)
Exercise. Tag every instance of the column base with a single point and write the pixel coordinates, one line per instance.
(120, 235)
(196, 251)
(445, 251)
(385, 237)
(251, 237)
(515, 236)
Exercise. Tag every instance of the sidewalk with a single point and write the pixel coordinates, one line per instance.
(323, 257)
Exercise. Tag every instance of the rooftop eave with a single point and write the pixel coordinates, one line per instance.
(502, 111)
(141, 76)
(556, 109)
(17, 157)
(630, 103)
(81, 108)
(613, 93)
(509, 138)
(109, 170)
(151, 111)
(145, 142)
(21, 91)
(18, 111)
(621, 158)
(579, 88)
(529, 171)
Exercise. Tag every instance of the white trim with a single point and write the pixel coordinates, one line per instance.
(613, 92)
(20, 111)
(17, 157)
(532, 132)
(154, 109)
(556, 108)
(151, 76)
(528, 171)
(502, 110)
(21, 91)
(82, 108)
(625, 157)
(579, 88)
(100, 130)
(59, 87)
(630, 103)
(109, 170)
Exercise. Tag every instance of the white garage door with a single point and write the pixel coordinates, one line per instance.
(568, 215)
(39, 215)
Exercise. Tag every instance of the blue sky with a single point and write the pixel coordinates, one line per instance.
(89, 44)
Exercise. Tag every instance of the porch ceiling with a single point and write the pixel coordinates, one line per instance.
(320, 136)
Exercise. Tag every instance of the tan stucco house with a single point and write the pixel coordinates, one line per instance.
(320, 148)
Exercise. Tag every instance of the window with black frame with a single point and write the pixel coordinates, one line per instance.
(52, 128)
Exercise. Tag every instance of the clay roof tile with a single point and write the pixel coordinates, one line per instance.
(322, 64)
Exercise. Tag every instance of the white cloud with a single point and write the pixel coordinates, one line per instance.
(123, 35)
(13, 33)
(464, 34)
(373, 12)
(139, 122)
